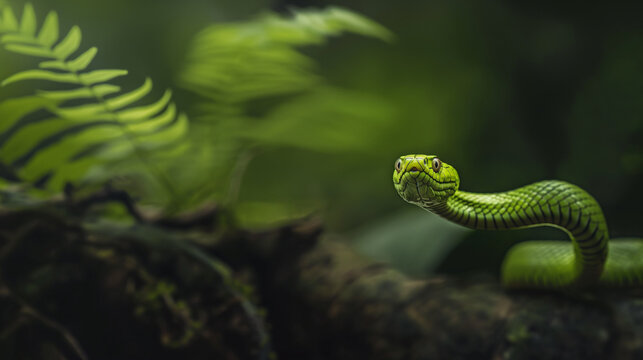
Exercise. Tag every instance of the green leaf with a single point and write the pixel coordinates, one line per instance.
(128, 98)
(346, 20)
(28, 136)
(117, 149)
(53, 64)
(28, 21)
(29, 50)
(41, 75)
(72, 172)
(80, 93)
(104, 109)
(166, 136)
(19, 38)
(83, 60)
(154, 124)
(144, 112)
(84, 112)
(330, 127)
(98, 76)
(69, 44)
(49, 32)
(9, 22)
(61, 152)
(12, 110)
(78, 64)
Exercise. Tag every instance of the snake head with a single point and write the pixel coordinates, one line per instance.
(424, 179)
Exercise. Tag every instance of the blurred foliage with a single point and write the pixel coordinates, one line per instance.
(259, 92)
(402, 240)
(230, 64)
(507, 92)
(234, 63)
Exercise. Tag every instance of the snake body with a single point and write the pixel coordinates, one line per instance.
(426, 181)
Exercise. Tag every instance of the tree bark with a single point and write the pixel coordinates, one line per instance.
(76, 290)
(324, 301)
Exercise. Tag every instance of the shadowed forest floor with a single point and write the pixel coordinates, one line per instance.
(181, 288)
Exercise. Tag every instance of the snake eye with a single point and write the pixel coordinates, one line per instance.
(436, 164)
(398, 165)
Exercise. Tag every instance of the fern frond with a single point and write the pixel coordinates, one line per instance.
(259, 91)
(90, 124)
(237, 62)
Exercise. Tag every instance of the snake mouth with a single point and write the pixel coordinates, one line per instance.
(417, 187)
(410, 187)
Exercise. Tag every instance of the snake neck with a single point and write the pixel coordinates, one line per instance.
(553, 203)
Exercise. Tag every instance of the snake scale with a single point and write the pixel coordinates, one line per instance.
(428, 182)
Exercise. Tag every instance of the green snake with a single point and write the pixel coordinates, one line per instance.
(428, 182)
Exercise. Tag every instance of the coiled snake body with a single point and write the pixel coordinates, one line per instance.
(426, 181)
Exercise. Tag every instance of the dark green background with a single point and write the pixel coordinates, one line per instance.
(508, 93)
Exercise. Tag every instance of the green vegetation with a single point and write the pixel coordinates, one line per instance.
(93, 132)
(277, 112)
(155, 168)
